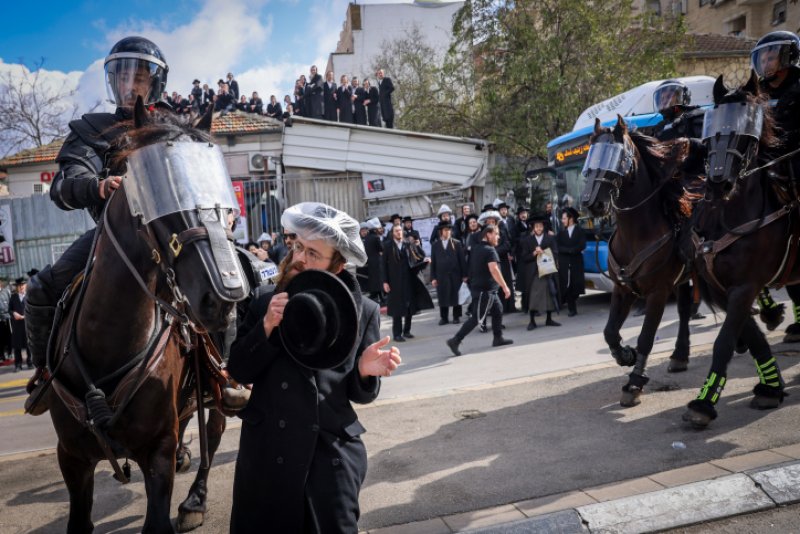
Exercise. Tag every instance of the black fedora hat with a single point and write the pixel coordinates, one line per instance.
(408, 218)
(21, 280)
(320, 322)
(539, 217)
(195, 81)
(395, 216)
(33, 272)
(520, 209)
(443, 225)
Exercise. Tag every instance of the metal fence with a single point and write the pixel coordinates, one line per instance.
(265, 200)
(41, 232)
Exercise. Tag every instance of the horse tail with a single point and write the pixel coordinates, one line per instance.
(706, 294)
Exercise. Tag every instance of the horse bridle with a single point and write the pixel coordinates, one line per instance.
(177, 309)
(617, 181)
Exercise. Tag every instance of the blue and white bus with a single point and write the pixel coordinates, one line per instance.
(561, 182)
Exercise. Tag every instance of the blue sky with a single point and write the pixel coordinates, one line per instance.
(266, 43)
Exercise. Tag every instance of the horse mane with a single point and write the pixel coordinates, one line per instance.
(162, 126)
(769, 130)
(658, 156)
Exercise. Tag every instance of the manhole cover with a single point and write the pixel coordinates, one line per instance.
(470, 414)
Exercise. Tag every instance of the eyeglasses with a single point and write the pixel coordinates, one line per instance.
(311, 254)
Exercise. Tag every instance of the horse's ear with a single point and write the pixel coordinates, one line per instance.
(719, 90)
(752, 84)
(140, 117)
(204, 122)
(620, 128)
(597, 128)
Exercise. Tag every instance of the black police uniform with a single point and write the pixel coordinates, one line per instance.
(786, 113)
(83, 161)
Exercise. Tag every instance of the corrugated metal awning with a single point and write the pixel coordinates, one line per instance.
(314, 144)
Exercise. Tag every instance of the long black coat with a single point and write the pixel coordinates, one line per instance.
(17, 304)
(330, 102)
(570, 262)
(344, 94)
(386, 88)
(448, 268)
(529, 281)
(374, 249)
(407, 292)
(373, 108)
(359, 110)
(314, 97)
(300, 436)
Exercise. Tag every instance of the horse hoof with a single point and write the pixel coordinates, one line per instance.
(625, 356)
(696, 419)
(630, 399)
(189, 521)
(183, 462)
(677, 366)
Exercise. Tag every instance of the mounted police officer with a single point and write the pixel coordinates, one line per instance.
(776, 60)
(135, 67)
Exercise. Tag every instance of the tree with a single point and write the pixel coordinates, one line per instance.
(539, 63)
(433, 93)
(33, 110)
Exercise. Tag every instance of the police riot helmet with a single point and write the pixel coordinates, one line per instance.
(671, 93)
(774, 52)
(135, 67)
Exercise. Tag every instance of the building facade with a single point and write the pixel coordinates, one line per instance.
(367, 27)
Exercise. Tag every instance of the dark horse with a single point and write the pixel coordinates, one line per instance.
(746, 236)
(634, 177)
(164, 274)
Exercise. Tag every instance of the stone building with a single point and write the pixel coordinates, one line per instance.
(739, 18)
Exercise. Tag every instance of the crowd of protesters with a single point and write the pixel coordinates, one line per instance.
(480, 261)
(353, 101)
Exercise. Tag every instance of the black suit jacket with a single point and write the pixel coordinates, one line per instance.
(360, 112)
(344, 95)
(373, 108)
(314, 97)
(386, 88)
(330, 101)
(297, 418)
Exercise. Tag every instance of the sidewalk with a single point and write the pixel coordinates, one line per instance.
(670, 499)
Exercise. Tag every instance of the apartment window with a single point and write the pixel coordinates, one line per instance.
(737, 26)
(779, 13)
(654, 6)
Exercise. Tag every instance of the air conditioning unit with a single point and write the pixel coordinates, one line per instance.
(40, 188)
(257, 162)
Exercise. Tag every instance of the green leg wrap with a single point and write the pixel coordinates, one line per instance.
(765, 301)
(712, 389)
(768, 373)
(796, 312)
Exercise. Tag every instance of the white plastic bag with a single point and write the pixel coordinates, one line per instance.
(546, 263)
(464, 295)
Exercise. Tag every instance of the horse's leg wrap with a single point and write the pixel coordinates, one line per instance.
(769, 392)
(770, 312)
(633, 389)
(701, 410)
(793, 330)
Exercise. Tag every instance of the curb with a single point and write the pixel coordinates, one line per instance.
(670, 508)
(722, 493)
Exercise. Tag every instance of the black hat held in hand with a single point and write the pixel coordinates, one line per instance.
(320, 322)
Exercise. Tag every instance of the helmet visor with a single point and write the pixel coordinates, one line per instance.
(608, 157)
(771, 57)
(669, 95)
(734, 119)
(127, 78)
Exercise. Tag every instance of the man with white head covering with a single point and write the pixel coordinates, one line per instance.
(301, 460)
(445, 215)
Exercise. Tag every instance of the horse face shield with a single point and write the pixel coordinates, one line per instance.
(731, 133)
(606, 164)
(190, 179)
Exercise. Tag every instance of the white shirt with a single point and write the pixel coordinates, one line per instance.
(539, 239)
(570, 229)
(444, 243)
